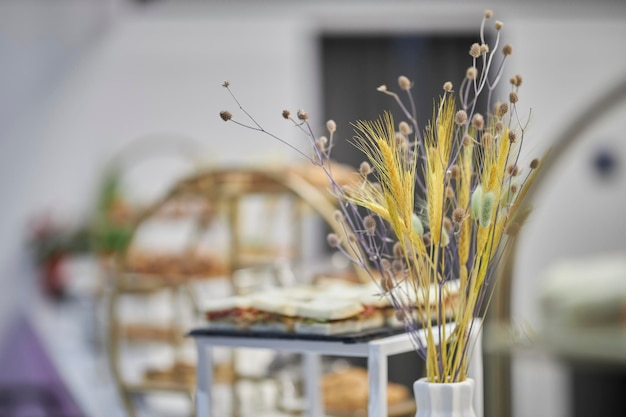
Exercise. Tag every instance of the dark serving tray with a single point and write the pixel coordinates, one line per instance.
(356, 337)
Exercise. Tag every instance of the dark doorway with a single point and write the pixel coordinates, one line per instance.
(353, 66)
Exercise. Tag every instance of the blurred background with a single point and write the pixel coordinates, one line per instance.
(92, 87)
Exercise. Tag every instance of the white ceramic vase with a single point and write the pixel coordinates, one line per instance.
(455, 399)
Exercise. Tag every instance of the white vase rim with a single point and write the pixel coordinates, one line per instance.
(424, 380)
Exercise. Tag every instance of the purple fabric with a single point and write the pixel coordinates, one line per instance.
(29, 383)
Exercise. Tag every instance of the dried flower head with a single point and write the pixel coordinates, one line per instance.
(458, 215)
(488, 14)
(331, 126)
(405, 128)
(503, 108)
(516, 80)
(382, 88)
(513, 98)
(226, 115)
(484, 49)
(512, 136)
(302, 115)
(447, 87)
(513, 170)
(370, 225)
(404, 83)
(322, 143)
(286, 114)
(478, 122)
(467, 140)
(499, 25)
(507, 50)
(460, 118)
(365, 168)
(534, 164)
(475, 50)
(333, 240)
(455, 171)
(471, 73)
(499, 126)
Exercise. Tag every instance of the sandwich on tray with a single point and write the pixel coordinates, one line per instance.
(330, 310)
(377, 308)
(228, 313)
(276, 310)
(329, 316)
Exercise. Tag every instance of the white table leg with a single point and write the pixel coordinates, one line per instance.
(377, 372)
(204, 379)
(312, 373)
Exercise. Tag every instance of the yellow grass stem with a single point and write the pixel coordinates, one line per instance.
(395, 171)
(503, 152)
(463, 190)
(439, 140)
(480, 234)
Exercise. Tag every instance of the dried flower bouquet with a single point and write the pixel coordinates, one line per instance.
(433, 207)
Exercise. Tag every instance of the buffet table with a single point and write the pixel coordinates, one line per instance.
(376, 346)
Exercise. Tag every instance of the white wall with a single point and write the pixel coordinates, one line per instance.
(40, 43)
(567, 64)
(125, 73)
(142, 72)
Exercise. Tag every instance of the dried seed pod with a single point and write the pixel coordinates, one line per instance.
(460, 118)
(302, 115)
(333, 240)
(534, 164)
(370, 225)
(458, 215)
(226, 115)
(475, 50)
(365, 168)
(404, 83)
